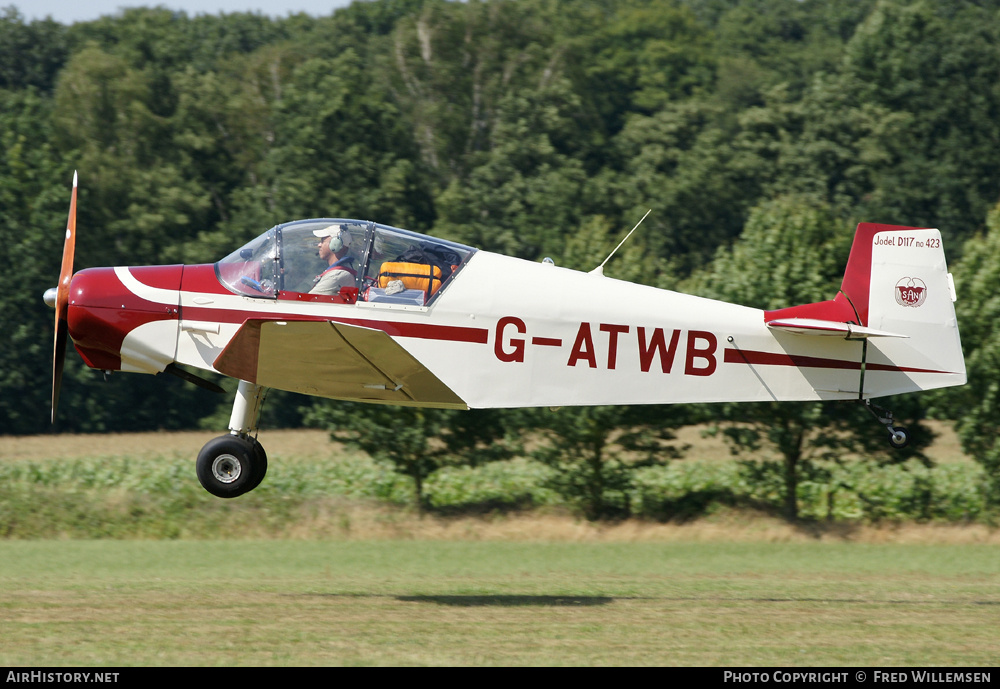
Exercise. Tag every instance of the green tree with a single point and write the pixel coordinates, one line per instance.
(415, 440)
(823, 144)
(451, 66)
(136, 188)
(682, 163)
(937, 65)
(31, 54)
(596, 450)
(525, 195)
(635, 56)
(341, 144)
(763, 43)
(226, 124)
(34, 196)
(976, 405)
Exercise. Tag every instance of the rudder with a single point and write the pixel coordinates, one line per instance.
(897, 298)
(910, 292)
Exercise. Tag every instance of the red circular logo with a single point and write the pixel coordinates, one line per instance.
(911, 292)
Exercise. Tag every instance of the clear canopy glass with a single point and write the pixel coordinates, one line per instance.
(384, 264)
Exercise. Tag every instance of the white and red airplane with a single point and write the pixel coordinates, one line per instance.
(431, 323)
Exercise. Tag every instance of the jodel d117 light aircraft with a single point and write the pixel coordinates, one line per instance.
(355, 310)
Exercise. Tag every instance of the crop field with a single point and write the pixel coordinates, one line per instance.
(347, 580)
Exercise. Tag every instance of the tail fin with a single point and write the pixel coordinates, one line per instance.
(896, 294)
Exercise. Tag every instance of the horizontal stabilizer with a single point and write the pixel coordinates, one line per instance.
(334, 360)
(815, 326)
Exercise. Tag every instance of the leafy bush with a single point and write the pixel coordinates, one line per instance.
(684, 490)
(949, 492)
(159, 497)
(848, 491)
(517, 483)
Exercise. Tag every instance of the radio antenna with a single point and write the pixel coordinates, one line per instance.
(599, 270)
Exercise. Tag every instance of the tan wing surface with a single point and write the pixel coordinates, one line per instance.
(334, 360)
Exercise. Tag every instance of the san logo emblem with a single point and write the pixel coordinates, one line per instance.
(911, 292)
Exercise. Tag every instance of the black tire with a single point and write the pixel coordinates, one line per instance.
(899, 438)
(259, 465)
(226, 466)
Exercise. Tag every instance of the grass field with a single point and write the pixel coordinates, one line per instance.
(356, 582)
(127, 603)
(316, 443)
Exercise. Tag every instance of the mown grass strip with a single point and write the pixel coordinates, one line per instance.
(455, 603)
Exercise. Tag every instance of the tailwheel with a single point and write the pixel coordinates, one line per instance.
(899, 437)
(229, 466)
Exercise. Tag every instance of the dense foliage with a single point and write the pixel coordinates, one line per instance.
(531, 127)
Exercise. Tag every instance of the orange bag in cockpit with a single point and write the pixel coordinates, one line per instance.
(422, 276)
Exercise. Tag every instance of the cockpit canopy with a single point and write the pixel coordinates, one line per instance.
(379, 263)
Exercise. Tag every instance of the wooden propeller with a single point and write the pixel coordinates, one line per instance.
(62, 301)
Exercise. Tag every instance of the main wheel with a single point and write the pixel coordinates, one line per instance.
(899, 438)
(226, 466)
(259, 465)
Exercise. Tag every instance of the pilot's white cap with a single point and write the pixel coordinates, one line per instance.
(335, 230)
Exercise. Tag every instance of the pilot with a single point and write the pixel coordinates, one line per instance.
(333, 247)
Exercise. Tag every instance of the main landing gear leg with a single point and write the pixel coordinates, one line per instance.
(234, 464)
(898, 436)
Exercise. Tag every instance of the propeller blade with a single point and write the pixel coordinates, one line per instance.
(69, 250)
(58, 361)
(62, 301)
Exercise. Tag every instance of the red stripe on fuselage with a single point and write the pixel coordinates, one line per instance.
(749, 356)
(744, 356)
(450, 333)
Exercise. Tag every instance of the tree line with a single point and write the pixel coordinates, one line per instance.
(753, 129)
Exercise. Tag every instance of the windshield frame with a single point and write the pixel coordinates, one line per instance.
(280, 256)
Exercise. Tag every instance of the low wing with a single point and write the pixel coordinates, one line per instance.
(334, 360)
(815, 326)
